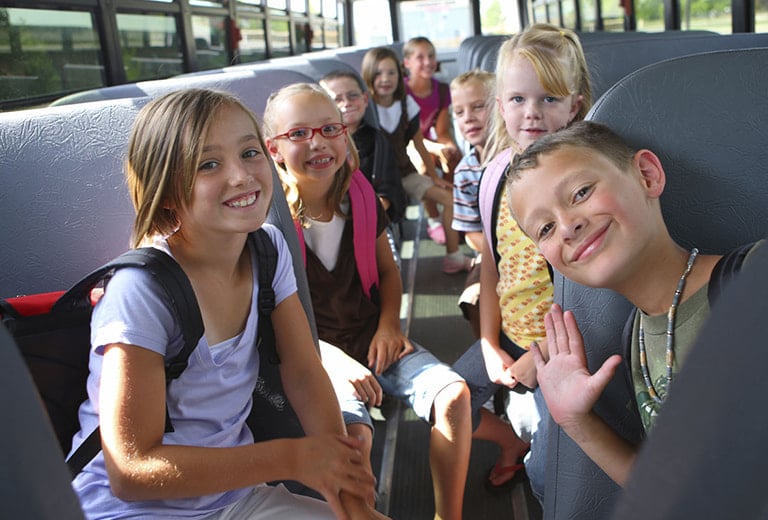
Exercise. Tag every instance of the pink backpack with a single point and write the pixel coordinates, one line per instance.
(363, 201)
(488, 197)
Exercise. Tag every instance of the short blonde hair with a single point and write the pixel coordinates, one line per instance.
(484, 78)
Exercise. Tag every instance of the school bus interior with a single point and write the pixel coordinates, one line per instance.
(65, 210)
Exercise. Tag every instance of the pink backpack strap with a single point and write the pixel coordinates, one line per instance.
(363, 201)
(490, 183)
(302, 245)
(490, 188)
(364, 219)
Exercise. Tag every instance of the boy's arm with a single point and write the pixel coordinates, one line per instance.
(388, 344)
(443, 129)
(571, 393)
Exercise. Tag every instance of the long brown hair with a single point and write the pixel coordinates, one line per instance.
(164, 150)
(371, 61)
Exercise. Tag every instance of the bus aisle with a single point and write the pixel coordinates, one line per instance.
(435, 321)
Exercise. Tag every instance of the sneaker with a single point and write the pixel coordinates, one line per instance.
(436, 233)
(453, 266)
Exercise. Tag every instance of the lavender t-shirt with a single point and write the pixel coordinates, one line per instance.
(208, 403)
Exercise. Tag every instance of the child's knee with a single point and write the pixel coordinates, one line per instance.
(453, 399)
(363, 432)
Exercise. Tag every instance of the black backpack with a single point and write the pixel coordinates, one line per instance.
(52, 332)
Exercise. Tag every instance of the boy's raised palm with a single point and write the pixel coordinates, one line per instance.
(568, 387)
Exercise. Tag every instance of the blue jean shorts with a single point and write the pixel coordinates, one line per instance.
(415, 379)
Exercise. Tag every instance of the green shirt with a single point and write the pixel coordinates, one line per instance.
(690, 317)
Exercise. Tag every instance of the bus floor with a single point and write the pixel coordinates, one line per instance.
(400, 456)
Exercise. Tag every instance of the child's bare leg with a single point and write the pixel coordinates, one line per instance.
(431, 208)
(451, 235)
(450, 444)
(493, 429)
(445, 198)
(364, 432)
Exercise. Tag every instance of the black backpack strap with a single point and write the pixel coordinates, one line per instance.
(626, 338)
(729, 265)
(443, 91)
(179, 291)
(495, 215)
(266, 255)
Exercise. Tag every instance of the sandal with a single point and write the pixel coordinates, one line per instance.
(517, 473)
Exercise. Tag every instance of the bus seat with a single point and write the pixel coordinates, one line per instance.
(36, 482)
(610, 60)
(710, 464)
(64, 204)
(252, 87)
(704, 116)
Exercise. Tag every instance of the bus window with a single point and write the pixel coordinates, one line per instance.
(649, 15)
(761, 16)
(446, 24)
(332, 36)
(708, 15)
(569, 13)
(540, 14)
(588, 15)
(210, 41)
(373, 25)
(613, 15)
(44, 52)
(499, 17)
(253, 44)
(280, 35)
(150, 46)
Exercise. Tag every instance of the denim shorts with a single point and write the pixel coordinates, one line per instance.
(471, 366)
(415, 379)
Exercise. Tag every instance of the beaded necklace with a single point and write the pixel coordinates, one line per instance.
(670, 333)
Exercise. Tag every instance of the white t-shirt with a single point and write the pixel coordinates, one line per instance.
(389, 117)
(212, 395)
(324, 238)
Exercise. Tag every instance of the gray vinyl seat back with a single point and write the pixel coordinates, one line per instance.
(704, 116)
(251, 86)
(315, 68)
(64, 204)
(610, 60)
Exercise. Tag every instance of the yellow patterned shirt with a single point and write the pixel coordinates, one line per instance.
(525, 287)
